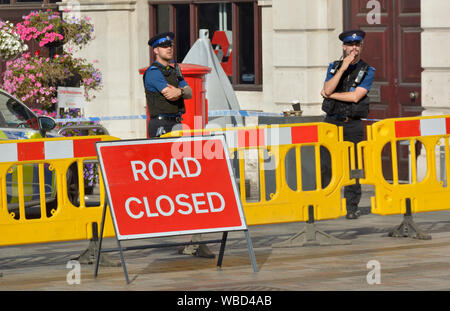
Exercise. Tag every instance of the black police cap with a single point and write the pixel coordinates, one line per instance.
(161, 39)
(352, 36)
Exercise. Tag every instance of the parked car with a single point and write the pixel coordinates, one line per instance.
(17, 121)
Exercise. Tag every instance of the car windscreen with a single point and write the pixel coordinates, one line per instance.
(14, 114)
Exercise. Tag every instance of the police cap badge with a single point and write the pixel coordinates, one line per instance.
(162, 39)
(352, 36)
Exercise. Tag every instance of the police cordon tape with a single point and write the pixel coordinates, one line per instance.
(96, 119)
(213, 113)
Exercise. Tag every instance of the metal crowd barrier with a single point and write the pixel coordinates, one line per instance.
(42, 190)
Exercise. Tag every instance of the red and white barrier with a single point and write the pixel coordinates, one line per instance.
(422, 127)
(48, 150)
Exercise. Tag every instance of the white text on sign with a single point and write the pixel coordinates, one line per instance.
(164, 205)
(183, 204)
(158, 169)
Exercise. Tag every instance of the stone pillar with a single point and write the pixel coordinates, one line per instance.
(435, 41)
(120, 47)
(304, 42)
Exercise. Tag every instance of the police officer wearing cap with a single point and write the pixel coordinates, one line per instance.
(165, 87)
(345, 90)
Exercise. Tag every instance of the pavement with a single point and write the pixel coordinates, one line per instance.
(373, 261)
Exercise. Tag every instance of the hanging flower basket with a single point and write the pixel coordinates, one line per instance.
(34, 79)
(56, 43)
(42, 26)
(11, 45)
(49, 29)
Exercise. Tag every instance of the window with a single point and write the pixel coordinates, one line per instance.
(162, 18)
(216, 17)
(182, 39)
(234, 29)
(246, 44)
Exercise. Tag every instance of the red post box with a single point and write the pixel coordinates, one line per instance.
(196, 116)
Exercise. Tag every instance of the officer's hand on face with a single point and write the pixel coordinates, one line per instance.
(348, 60)
(171, 93)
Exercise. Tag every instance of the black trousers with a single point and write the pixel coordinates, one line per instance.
(353, 132)
(157, 127)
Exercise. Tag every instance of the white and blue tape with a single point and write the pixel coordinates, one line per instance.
(97, 119)
(242, 113)
(213, 113)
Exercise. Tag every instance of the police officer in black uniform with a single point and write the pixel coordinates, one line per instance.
(345, 102)
(165, 87)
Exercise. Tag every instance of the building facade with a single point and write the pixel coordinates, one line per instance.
(278, 50)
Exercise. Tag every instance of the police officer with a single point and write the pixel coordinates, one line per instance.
(166, 90)
(345, 90)
(165, 87)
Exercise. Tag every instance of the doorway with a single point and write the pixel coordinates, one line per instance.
(392, 45)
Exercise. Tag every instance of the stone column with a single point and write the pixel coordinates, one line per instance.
(304, 42)
(435, 41)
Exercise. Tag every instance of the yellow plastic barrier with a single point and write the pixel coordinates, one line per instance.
(273, 146)
(394, 196)
(30, 172)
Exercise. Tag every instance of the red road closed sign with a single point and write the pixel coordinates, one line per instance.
(173, 186)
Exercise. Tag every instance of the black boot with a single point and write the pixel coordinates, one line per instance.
(353, 213)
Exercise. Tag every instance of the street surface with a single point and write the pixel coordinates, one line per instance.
(372, 262)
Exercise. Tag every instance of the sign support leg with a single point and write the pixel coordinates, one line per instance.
(102, 226)
(250, 250)
(222, 249)
(123, 262)
(97, 261)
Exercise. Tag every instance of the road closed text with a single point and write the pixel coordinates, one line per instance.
(165, 205)
(159, 170)
(210, 202)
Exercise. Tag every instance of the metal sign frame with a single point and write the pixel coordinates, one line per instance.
(108, 202)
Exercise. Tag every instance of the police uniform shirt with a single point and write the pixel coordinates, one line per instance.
(156, 82)
(365, 83)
